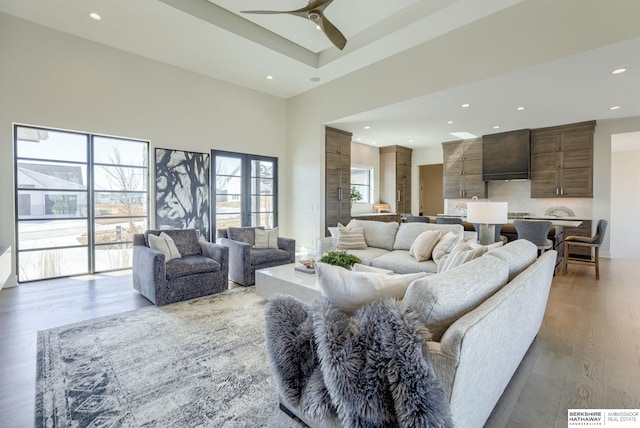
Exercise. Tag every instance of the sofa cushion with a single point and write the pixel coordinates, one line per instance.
(408, 232)
(378, 234)
(518, 254)
(266, 238)
(400, 261)
(350, 290)
(367, 256)
(351, 238)
(442, 299)
(190, 265)
(423, 245)
(261, 256)
(444, 246)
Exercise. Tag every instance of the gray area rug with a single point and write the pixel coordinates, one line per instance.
(200, 363)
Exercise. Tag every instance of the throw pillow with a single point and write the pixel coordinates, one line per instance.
(359, 267)
(461, 254)
(350, 290)
(351, 238)
(165, 245)
(266, 238)
(444, 246)
(423, 245)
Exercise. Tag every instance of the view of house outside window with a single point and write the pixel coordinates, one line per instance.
(79, 200)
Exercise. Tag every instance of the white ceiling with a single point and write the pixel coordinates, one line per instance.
(212, 38)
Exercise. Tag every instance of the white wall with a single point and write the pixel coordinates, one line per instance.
(625, 199)
(51, 79)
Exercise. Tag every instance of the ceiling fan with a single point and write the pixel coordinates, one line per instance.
(314, 13)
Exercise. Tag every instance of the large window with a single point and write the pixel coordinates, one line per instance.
(244, 190)
(361, 183)
(79, 200)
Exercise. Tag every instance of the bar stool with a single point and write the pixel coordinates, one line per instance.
(594, 242)
(535, 231)
(448, 220)
(417, 219)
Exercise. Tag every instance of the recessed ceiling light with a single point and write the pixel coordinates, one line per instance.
(318, 27)
(315, 79)
(367, 127)
(450, 122)
(619, 70)
(95, 16)
(520, 108)
(269, 77)
(358, 138)
(411, 141)
(496, 127)
(373, 142)
(614, 108)
(466, 105)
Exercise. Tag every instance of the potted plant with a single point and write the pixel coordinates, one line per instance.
(340, 258)
(356, 196)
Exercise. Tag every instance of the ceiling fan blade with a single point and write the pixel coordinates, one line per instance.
(302, 12)
(332, 32)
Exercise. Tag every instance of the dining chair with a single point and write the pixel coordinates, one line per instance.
(535, 231)
(417, 219)
(448, 220)
(594, 242)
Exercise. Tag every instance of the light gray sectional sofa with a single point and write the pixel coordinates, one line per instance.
(388, 244)
(483, 317)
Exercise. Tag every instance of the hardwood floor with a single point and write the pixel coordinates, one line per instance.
(587, 354)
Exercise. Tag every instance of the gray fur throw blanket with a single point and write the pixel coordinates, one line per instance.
(370, 369)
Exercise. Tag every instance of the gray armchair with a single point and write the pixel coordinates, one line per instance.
(203, 268)
(244, 259)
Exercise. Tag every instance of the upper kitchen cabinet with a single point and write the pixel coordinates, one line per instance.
(337, 177)
(395, 178)
(562, 161)
(462, 169)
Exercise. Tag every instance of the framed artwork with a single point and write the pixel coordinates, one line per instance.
(182, 191)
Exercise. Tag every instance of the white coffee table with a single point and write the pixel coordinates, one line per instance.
(285, 280)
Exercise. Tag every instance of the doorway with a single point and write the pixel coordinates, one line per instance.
(431, 196)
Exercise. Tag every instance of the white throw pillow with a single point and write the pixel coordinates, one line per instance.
(487, 247)
(359, 267)
(350, 290)
(423, 245)
(164, 243)
(461, 254)
(444, 246)
(351, 238)
(266, 238)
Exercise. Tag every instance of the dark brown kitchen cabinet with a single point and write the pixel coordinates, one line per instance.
(462, 169)
(562, 161)
(395, 178)
(337, 177)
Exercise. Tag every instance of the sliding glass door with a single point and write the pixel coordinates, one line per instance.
(79, 200)
(244, 190)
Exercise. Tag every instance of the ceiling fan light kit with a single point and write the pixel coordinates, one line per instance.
(314, 12)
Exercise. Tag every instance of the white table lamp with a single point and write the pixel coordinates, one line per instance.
(487, 214)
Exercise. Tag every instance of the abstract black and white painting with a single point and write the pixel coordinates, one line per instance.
(182, 191)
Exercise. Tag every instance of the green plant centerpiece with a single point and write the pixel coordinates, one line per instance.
(340, 258)
(356, 196)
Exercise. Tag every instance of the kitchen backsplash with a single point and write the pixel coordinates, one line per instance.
(517, 194)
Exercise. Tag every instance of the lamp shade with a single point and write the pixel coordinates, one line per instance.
(487, 212)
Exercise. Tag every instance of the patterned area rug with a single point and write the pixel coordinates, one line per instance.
(199, 363)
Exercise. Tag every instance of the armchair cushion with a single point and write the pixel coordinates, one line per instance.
(259, 256)
(242, 234)
(191, 265)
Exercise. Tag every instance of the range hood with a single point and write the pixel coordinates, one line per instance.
(506, 156)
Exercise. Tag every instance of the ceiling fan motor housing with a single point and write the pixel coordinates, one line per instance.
(313, 15)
